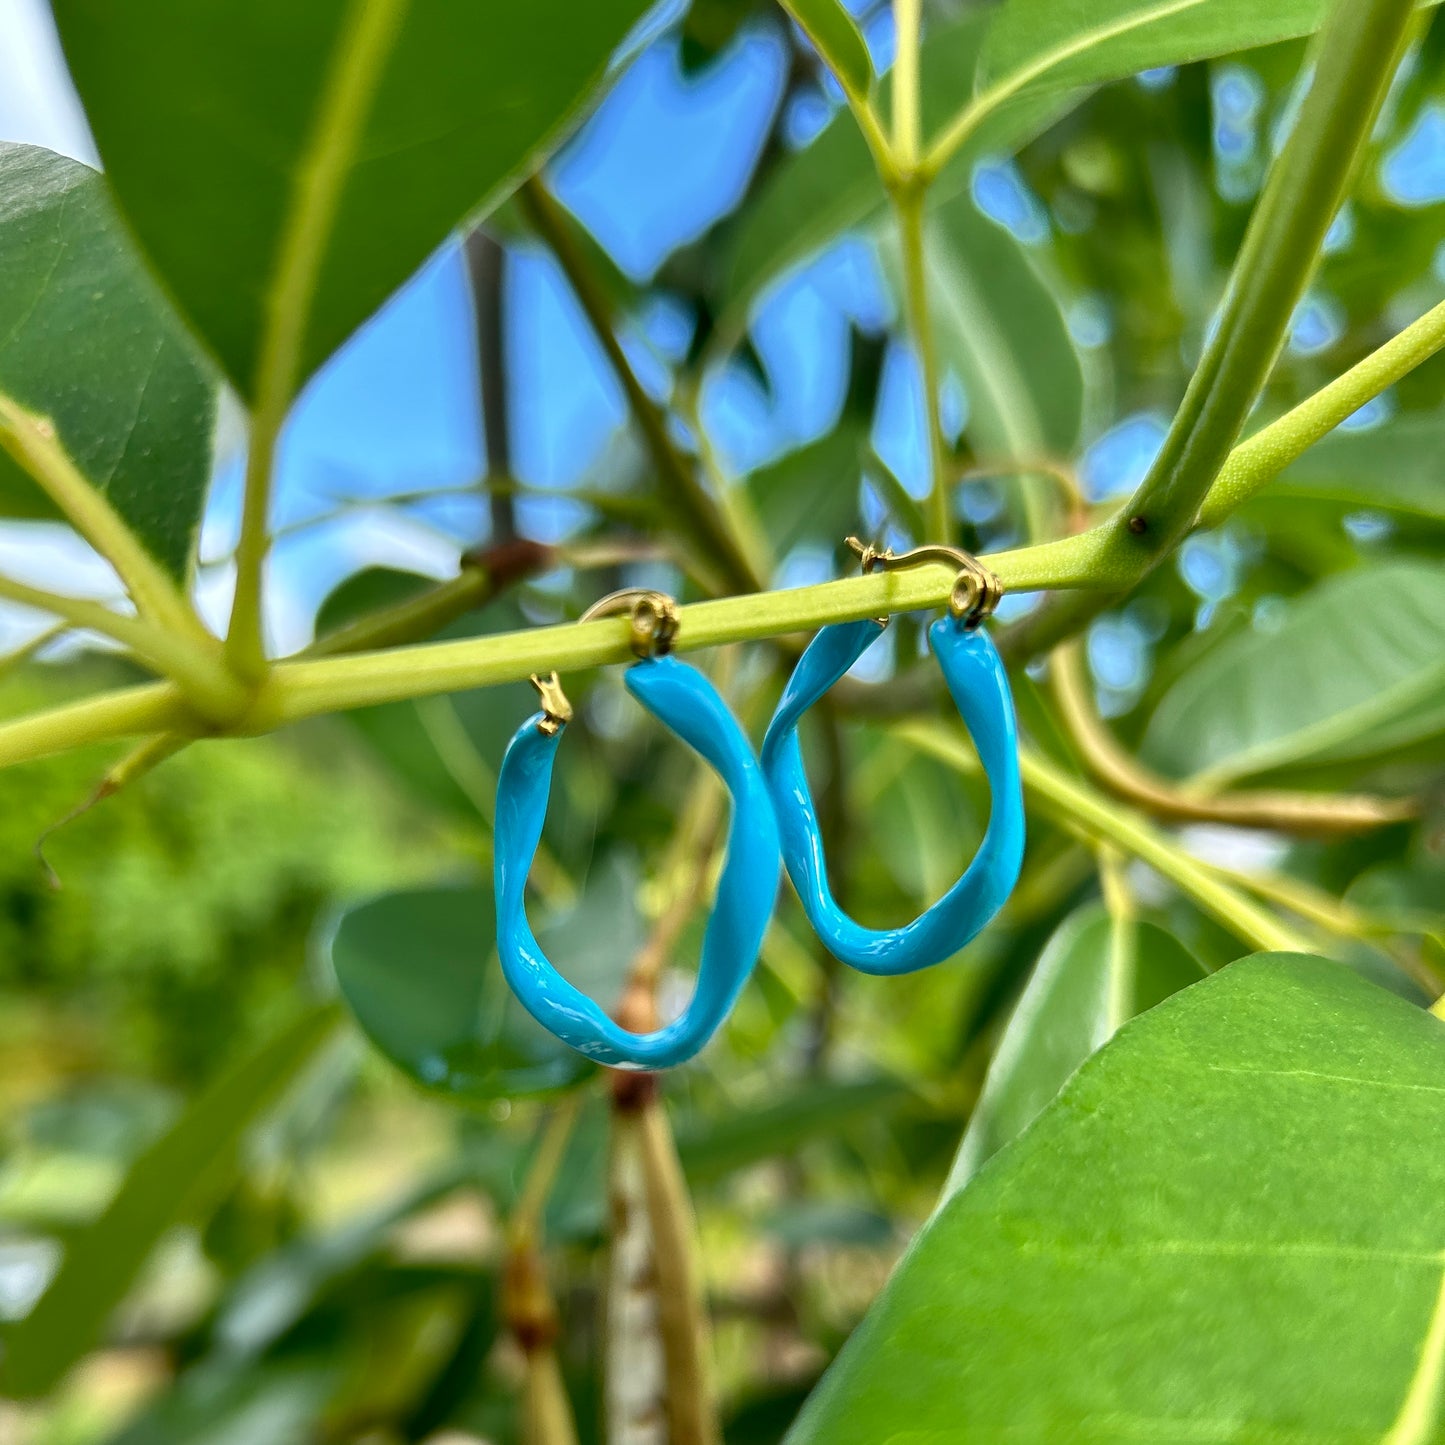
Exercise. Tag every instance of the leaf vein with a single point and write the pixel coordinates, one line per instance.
(1361, 1079)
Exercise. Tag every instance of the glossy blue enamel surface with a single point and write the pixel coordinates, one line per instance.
(684, 701)
(975, 675)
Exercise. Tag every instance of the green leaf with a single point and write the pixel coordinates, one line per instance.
(1002, 332)
(1046, 43)
(714, 1148)
(366, 591)
(811, 494)
(832, 29)
(1226, 1227)
(1410, 899)
(935, 827)
(272, 1404)
(87, 339)
(172, 1176)
(277, 1291)
(419, 970)
(288, 166)
(1395, 468)
(1094, 976)
(1361, 651)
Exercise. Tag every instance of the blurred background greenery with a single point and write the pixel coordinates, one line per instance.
(312, 1242)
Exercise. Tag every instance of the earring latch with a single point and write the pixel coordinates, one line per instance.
(976, 591)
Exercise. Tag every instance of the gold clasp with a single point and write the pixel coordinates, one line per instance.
(652, 614)
(653, 618)
(556, 709)
(976, 591)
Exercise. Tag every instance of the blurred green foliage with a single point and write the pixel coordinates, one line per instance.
(309, 1243)
(234, 847)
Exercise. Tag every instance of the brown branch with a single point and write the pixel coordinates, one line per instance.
(527, 1305)
(1285, 811)
(654, 1231)
(487, 270)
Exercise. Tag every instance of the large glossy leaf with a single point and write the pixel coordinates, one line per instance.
(1226, 1228)
(1357, 663)
(1393, 468)
(419, 970)
(88, 340)
(289, 165)
(1095, 974)
(1001, 331)
(103, 1260)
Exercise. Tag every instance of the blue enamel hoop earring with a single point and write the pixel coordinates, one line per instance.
(686, 703)
(978, 682)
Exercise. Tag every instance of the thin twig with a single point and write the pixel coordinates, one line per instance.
(908, 200)
(704, 519)
(487, 268)
(527, 1304)
(195, 667)
(654, 1232)
(135, 764)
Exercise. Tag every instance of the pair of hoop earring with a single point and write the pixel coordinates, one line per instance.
(773, 817)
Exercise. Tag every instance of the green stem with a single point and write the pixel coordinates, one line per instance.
(484, 576)
(306, 688)
(1089, 560)
(1259, 460)
(907, 87)
(135, 764)
(33, 443)
(1355, 59)
(22, 654)
(197, 670)
(1123, 936)
(1250, 467)
(972, 115)
(705, 520)
(368, 30)
(1100, 820)
(123, 713)
(908, 201)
